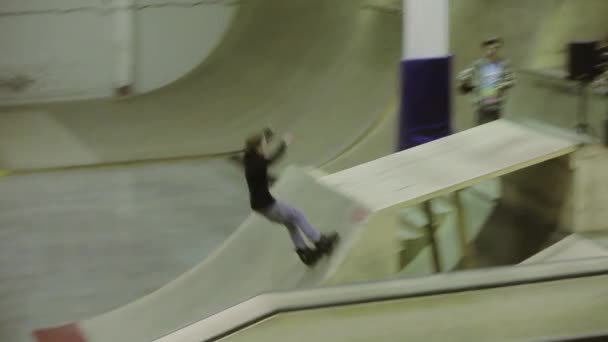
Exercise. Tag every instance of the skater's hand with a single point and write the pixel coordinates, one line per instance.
(287, 139)
(268, 133)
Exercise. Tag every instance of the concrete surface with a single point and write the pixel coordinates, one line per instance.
(291, 64)
(317, 66)
(79, 243)
(259, 257)
(515, 313)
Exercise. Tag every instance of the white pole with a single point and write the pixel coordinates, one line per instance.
(425, 113)
(426, 28)
(124, 45)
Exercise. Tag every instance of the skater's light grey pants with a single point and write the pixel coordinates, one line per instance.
(294, 220)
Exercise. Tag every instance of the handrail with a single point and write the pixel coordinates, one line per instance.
(595, 337)
(264, 306)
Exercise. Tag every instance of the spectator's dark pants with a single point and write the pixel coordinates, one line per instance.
(485, 115)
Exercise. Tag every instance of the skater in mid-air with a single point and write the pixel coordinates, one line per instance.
(256, 165)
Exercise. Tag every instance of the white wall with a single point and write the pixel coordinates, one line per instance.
(426, 28)
(173, 40)
(66, 49)
(64, 55)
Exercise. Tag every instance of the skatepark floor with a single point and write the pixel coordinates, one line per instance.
(78, 243)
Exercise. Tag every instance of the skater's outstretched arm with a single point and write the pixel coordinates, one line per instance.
(280, 151)
(276, 155)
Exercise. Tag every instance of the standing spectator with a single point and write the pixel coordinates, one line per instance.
(488, 79)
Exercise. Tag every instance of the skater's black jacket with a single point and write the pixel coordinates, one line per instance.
(256, 173)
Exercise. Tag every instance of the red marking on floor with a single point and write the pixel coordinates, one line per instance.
(360, 214)
(64, 333)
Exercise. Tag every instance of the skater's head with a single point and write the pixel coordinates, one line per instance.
(492, 47)
(255, 143)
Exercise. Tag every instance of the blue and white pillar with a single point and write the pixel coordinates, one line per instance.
(425, 73)
(124, 46)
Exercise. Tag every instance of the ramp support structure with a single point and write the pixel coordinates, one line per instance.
(467, 249)
(431, 236)
(431, 228)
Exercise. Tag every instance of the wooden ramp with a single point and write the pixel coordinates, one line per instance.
(450, 164)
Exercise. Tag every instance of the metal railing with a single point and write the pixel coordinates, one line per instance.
(264, 306)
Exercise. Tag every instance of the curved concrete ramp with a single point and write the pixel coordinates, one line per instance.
(320, 68)
(257, 258)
